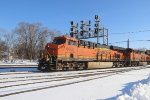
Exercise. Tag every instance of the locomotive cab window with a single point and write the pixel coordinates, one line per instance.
(59, 41)
(70, 42)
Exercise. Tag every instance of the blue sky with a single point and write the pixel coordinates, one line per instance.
(119, 16)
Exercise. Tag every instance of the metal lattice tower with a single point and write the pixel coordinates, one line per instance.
(86, 32)
(74, 29)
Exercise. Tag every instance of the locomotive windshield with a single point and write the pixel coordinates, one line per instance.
(59, 41)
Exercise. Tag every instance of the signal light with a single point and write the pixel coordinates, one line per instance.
(96, 17)
(71, 34)
(96, 30)
(71, 29)
(82, 22)
(89, 34)
(81, 33)
(89, 29)
(77, 31)
(89, 22)
(96, 25)
(71, 22)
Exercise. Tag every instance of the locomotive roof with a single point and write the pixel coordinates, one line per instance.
(148, 52)
(103, 46)
(98, 45)
(134, 50)
(67, 37)
(117, 48)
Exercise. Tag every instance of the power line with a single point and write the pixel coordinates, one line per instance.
(118, 42)
(140, 31)
(127, 41)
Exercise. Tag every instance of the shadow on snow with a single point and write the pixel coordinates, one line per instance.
(127, 88)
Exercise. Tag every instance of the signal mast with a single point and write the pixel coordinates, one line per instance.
(86, 32)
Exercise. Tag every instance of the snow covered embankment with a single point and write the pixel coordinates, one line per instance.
(138, 92)
(18, 62)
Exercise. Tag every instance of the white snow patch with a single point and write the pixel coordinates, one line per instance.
(18, 62)
(138, 92)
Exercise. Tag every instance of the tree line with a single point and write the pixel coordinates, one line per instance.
(25, 41)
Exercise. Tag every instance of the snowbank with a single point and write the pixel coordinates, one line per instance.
(18, 62)
(138, 92)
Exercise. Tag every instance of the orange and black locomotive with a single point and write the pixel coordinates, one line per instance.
(68, 53)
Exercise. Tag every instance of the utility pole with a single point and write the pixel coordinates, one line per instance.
(128, 43)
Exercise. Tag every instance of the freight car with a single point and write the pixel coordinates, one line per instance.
(68, 53)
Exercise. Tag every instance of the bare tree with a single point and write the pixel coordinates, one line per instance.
(3, 49)
(9, 39)
(2, 31)
(31, 38)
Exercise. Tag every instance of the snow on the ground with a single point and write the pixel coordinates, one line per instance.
(18, 62)
(140, 91)
(109, 88)
(18, 65)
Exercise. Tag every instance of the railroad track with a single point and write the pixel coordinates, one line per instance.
(12, 77)
(27, 83)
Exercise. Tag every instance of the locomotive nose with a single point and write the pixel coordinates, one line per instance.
(51, 48)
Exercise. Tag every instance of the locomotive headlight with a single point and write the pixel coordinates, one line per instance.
(47, 59)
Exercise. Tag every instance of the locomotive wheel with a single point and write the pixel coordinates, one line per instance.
(59, 66)
(63, 68)
(67, 68)
(85, 66)
(44, 67)
(75, 68)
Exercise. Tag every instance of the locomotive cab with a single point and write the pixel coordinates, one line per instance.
(50, 54)
(62, 48)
